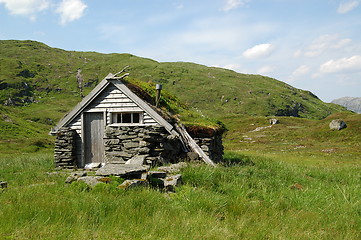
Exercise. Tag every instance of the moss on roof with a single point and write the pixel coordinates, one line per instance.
(173, 110)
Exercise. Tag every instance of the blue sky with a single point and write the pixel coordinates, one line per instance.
(312, 45)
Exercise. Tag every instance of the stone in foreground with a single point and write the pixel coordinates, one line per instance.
(121, 170)
(75, 176)
(173, 168)
(127, 184)
(136, 160)
(90, 180)
(171, 182)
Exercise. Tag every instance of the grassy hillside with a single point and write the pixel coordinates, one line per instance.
(297, 140)
(38, 86)
(31, 71)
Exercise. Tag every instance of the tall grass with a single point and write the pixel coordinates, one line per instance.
(248, 198)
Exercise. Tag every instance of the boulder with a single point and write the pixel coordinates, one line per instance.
(121, 170)
(127, 184)
(74, 176)
(171, 182)
(136, 160)
(90, 180)
(337, 124)
(192, 156)
(274, 121)
(173, 168)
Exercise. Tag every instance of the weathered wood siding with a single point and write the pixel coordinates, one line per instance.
(111, 100)
(93, 137)
(76, 124)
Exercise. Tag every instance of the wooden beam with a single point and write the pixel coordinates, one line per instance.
(189, 141)
(115, 75)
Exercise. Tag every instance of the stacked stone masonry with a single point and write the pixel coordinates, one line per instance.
(153, 142)
(64, 152)
(122, 143)
(211, 146)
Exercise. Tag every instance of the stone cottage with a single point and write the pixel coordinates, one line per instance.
(112, 124)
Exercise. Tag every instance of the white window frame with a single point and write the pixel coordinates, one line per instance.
(114, 118)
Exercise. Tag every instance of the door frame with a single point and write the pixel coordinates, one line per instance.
(83, 133)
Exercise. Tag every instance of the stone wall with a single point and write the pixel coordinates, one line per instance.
(64, 152)
(212, 146)
(153, 142)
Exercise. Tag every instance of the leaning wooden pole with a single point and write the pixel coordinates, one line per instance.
(189, 141)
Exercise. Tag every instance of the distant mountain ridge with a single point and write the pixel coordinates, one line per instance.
(351, 103)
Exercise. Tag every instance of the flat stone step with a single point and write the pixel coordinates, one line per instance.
(121, 170)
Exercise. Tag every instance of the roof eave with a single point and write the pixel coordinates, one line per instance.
(82, 104)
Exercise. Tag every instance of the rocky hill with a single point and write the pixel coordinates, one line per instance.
(351, 103)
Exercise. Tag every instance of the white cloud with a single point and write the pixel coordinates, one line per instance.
(266, 70)
(71, 10)
(345, 7)
(320, 44)
(342, 43)
(301, 70)
(203, 39)
(232, 4)
(297, 53)
(25, 7)
(342, 65)
(316, 75)
(325, 42)
(258, 51)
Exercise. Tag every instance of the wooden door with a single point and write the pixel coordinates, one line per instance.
(93, 137)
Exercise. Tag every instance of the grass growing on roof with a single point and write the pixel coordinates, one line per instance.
(175, 107)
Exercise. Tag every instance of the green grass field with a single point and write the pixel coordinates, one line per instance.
(294, 180)
(247, 198)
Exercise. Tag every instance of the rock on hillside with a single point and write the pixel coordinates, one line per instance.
(351, 103)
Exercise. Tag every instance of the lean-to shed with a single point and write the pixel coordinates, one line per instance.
(114, 125)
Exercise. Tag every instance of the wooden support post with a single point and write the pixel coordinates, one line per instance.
(189, 141)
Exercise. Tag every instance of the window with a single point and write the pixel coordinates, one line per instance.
(127, 117)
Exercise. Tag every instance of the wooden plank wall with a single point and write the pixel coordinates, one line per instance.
(109, 101)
